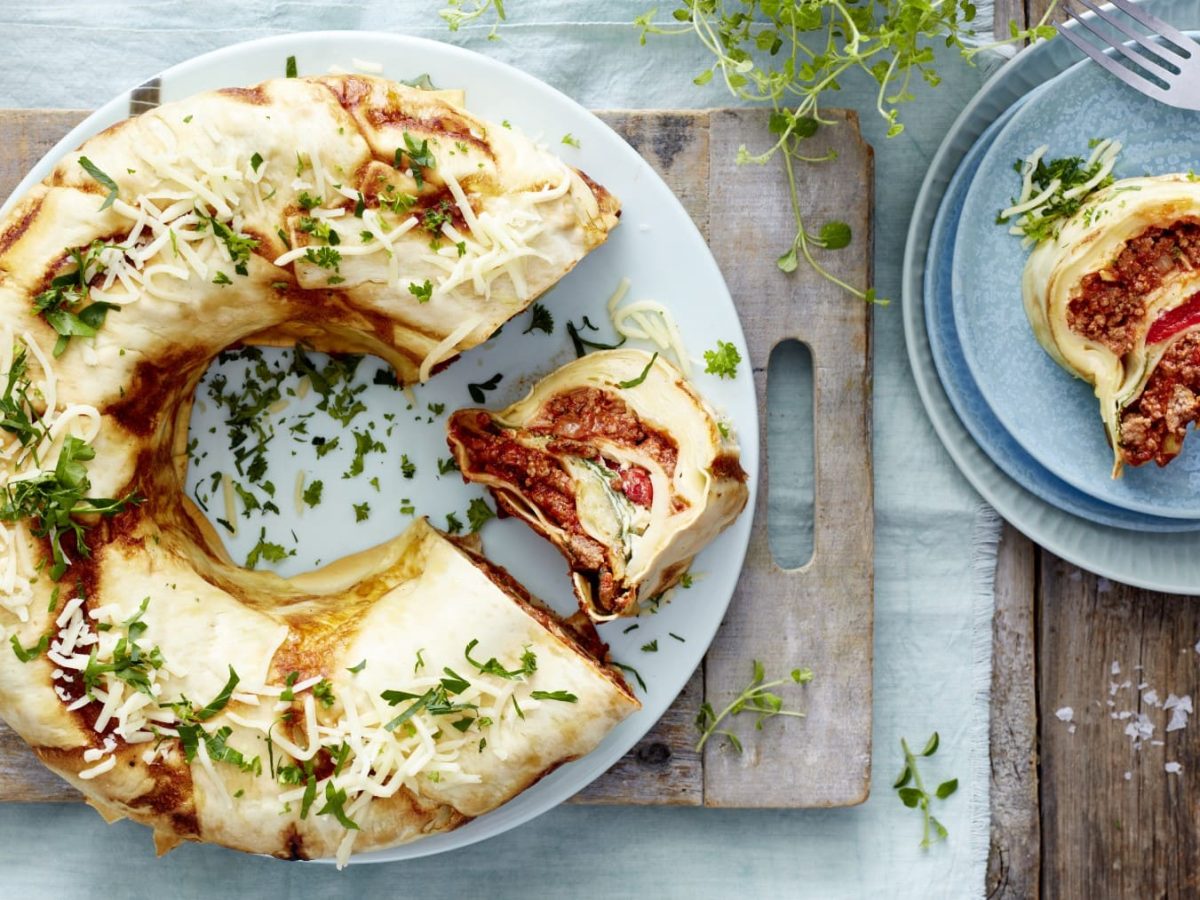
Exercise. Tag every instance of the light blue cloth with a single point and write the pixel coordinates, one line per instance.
(933, 593)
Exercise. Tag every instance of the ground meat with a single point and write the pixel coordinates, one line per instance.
(1154, 427)
(586, 413)
(535, 474)
(1110, 306)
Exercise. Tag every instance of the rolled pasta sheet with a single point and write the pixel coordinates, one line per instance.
(617, 461)
(1114, 298)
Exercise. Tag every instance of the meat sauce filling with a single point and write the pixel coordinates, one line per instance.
(1155, 426)
(1111, 304)
(570, 420)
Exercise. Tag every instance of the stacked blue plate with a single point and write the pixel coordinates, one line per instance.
(1025, 432)
(1040, 425)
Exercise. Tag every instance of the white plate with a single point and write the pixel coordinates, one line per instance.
(656, 246)
(1161, 562)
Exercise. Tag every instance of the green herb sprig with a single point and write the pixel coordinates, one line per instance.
(756, 698)
(911, 790)
(793, 53)
(461, 12)
(51, 500)
(58, 303)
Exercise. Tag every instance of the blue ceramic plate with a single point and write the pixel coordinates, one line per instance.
(960, 386)
(1159, 562)
(1053, 415)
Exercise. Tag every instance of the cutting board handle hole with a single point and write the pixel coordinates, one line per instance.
(790, 481)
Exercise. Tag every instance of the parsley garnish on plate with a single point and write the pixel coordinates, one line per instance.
(540, 319)
(477, 391)
(267, 550)
(723, 361)
(1054, 190)
(312, 493)
(571, 141)
(478, 513)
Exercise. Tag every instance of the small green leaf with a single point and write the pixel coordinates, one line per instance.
(946, 788)
(835, 235)
(904, 778)
(931, 745)
(911, 796)
(942, 833)
(802, 676)
(788, 262)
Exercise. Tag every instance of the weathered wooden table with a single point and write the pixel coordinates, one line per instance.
(1080, 813)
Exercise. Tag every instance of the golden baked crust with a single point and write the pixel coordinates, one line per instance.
(355, 214)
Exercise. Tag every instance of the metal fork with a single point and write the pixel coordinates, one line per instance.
(1168, 70)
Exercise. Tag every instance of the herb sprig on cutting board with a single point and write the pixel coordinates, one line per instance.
(794, 53)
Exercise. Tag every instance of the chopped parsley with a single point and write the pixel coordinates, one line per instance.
(362, 511)
(325, 257)
(104, 180)
(308, 201)
(493, 666)
(453, 525)
(650, 647)
(540, 318)
(419, 158)
(290, 70)
(571, 141)
(478, 513)
(221, 278)
(239, 246)
(312, 493)
(266, 550)
(723, 361)
(562, 696)
(56, 304)
(407, 467)
(26, 654)
(323, 691)
(477, 390)
(635, 382)
(1057, 178)
(423, 292)
(51, 499)
(256, 161)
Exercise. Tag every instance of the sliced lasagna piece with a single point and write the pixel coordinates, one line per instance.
(619, 462)
(1114, 297)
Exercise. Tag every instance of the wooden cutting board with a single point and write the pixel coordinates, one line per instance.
(819, 615)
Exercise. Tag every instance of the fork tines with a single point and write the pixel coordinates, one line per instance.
(1164, 65)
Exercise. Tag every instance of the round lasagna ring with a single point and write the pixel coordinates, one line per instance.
(1114, 298)
(391, 695)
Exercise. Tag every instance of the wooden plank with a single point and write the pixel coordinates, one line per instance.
(26, 135)
(1105, 834)
(821, 614)
(1014, 862)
